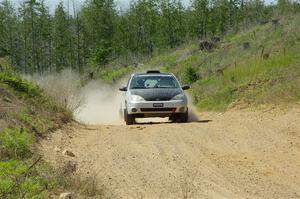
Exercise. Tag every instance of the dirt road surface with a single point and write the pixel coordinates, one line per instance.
(237, 154)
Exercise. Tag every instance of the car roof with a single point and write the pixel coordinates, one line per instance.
(153, 74)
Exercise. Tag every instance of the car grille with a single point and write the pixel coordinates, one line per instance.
(157, 109)
(158, 98)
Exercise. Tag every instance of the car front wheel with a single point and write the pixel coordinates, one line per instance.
(129, 119)
(184, 117)
(180, 117)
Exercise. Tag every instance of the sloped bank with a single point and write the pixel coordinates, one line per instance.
(27, 116)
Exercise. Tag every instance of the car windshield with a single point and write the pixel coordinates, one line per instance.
(149, 82)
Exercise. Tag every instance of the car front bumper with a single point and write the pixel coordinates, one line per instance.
(157, 108)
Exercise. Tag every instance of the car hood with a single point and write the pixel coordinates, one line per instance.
(157, 94)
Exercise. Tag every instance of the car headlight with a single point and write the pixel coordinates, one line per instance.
(136, 98)
(179, 97)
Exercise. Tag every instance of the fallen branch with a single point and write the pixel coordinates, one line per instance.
(33, 165)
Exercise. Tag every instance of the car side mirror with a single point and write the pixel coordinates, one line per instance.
(124, 89)
(186, 87)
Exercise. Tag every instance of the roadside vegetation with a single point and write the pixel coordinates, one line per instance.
(27, 115)
(259, 65)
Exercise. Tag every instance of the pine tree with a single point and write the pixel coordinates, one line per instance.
(98, 17)
(61, 39)
(171, 24)
(8, 35)
(200, 18)
(44, 38)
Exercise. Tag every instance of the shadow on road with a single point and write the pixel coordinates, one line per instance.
(193, 118)
(169, 122)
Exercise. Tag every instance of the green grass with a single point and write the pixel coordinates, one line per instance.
(257, 81)
(218, 100)
(29, 114)
(16, 183)
(114, 73)
(34, 122)
(20, 85)
(18, 179)
(15, 144)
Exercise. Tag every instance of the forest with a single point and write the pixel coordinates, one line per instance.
(88, 38)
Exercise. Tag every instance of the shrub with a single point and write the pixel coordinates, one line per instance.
(20, 85)
(16, 182)
(15, 143)
(102, 54)
(35, 123)
(190, 75)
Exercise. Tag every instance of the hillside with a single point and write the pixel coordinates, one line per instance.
(265, 72)
(27, 115)
(258, 65)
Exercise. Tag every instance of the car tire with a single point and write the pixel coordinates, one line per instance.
(184, 117)
(180, 117)
(129, 119)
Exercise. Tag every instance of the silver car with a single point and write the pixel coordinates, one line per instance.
(154, 94)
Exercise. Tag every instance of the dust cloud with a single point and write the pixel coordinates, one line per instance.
(63, 87)
(101, 104)
(95, 103)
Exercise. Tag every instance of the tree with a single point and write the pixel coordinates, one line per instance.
(98, 18)
(78, 32)
(61, 39)
(200, 18)
(142, 27)
(171, 23)
(254, 11)
(8, 36)
(283, 5)
(44, 38)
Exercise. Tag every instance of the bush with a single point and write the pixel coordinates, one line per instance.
(101, 54)
(20, 85)
(190, 75)
(15, 143)
(16, 182)
(34, 122)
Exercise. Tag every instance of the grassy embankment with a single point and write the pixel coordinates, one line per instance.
(26, 116)
(266, 72)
